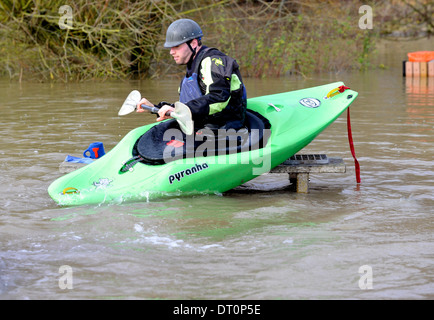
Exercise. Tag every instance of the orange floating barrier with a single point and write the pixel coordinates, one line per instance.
(420, 56)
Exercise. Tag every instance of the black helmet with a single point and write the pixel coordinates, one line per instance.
(181, 31)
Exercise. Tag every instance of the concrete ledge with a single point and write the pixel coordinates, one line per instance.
(334, 165)
(299, 173)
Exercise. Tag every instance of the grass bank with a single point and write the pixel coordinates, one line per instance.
(100, 39)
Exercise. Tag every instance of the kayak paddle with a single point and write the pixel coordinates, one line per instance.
(182, 113)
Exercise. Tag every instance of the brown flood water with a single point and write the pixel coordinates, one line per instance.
(266, 244)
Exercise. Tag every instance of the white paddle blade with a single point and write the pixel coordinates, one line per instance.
(183, 115)
(130, 104)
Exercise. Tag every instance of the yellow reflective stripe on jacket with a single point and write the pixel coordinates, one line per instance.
(207, 80)
(206, 73)
(218, 106)
(235, 82)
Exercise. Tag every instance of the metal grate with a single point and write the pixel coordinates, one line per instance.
(308, 159)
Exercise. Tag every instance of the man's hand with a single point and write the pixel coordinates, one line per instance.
(162, 112)
(143, 101)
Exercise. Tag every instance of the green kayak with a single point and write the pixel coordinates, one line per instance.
(158, 159)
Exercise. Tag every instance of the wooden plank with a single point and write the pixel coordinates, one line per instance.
(416, 69)
(423, 69)
(431, 69)
(409, 69)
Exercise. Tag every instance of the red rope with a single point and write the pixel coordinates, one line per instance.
(350, 140)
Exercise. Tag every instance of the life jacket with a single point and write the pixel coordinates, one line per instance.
(230, 113)
(189, 89)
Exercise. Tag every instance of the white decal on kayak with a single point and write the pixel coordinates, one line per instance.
(181, 174)
(102, 183)
(310, 102)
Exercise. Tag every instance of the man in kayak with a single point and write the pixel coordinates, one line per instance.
(212, 87)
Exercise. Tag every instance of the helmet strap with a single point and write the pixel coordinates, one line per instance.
(193, 51)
